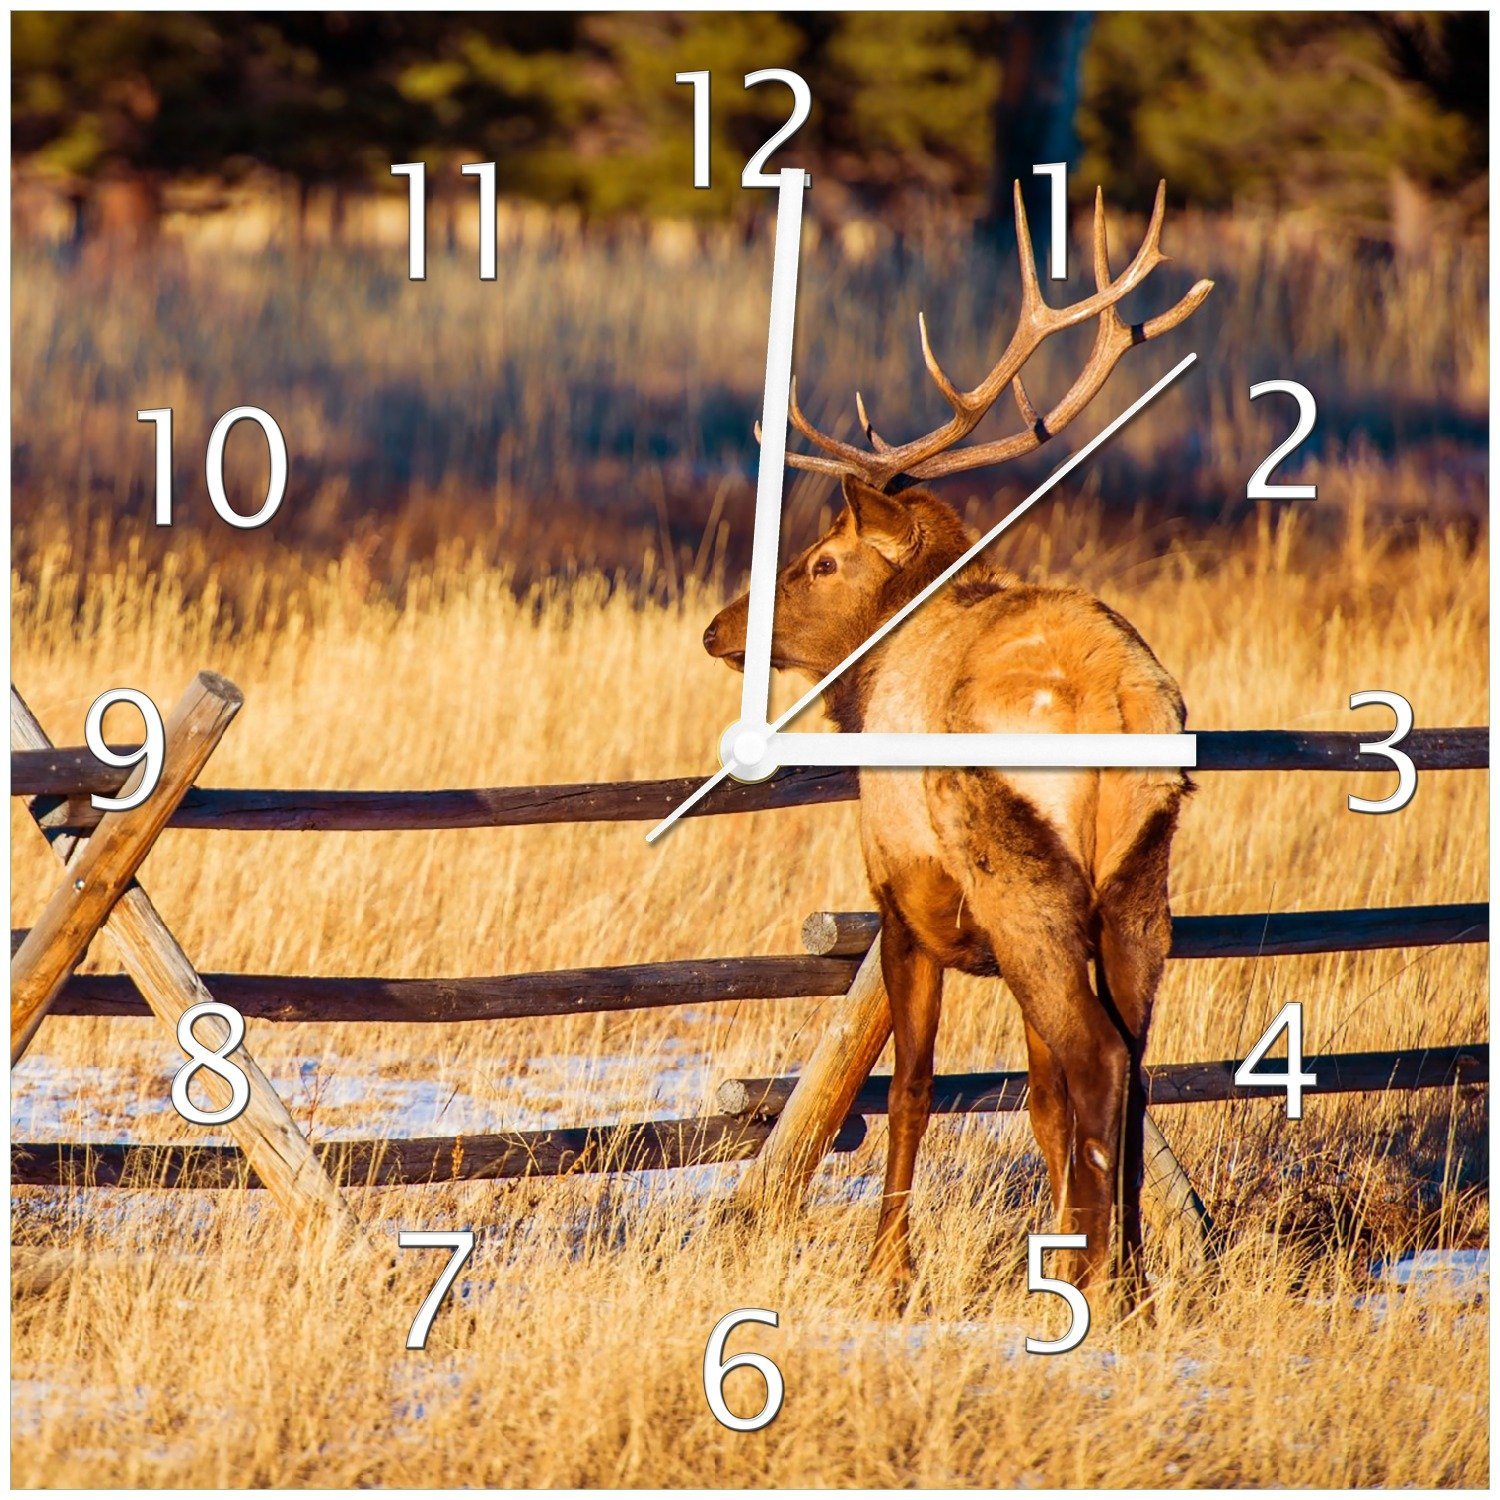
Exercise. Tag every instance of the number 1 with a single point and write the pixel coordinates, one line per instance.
(416, 215)
(1057, 255)
(699, 82)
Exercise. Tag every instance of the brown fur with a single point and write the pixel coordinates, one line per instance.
(1055, 879)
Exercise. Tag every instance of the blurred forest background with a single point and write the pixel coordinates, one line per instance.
(204, 215)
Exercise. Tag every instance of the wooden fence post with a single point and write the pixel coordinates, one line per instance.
(852, 1041)
(100, 870)
(279, 1153)
(853, 1037)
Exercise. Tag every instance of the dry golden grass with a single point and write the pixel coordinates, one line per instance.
(189, 1341)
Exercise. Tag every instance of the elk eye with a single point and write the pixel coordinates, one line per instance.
(824, 566)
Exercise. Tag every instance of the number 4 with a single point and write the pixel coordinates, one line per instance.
(461, 1243)
(1294, 1080)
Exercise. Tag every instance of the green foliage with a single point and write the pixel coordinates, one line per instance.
(909, 98)
(1334, 112)
(1305, 109)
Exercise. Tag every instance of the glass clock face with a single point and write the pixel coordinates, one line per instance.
(749, 749)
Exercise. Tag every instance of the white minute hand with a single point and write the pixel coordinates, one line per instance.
(1024, 749)
(945, 576)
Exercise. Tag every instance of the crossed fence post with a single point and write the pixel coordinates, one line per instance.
(100, 890)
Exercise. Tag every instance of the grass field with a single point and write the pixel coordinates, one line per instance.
(427, 616)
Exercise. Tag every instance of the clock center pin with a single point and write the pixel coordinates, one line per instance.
(745, 751)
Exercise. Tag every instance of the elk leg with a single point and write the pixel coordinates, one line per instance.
(1047, 1103)
(1134, 937)
(914, 982)
(1060, 1006)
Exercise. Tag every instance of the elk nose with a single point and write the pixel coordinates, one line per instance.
(710, 636)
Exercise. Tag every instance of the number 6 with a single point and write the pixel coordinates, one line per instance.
(1406, 784)
(716, 1367)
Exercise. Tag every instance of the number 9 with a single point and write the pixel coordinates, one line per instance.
(151, 753)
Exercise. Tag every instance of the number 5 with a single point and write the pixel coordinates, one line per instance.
(1036, 1246)
(461, 1243)
(1406, 782)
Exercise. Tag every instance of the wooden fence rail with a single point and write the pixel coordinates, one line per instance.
(648, 1146)
(72, 775)
(1167, 1083)
(568, 992)
(828, 1109)
(749, 1109)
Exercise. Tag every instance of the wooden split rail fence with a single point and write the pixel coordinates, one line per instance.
(786, 1124)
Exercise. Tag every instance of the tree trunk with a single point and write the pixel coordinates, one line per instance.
(1042, 56)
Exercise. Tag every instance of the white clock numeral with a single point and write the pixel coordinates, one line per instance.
(485, 172)
(152, 752)
(716, 1367)
(1294, 1080)
(1406, 781)
(1078, 1326)
(213, 1059)
(161, 417)
(461, 1243)
(214, 466)
(416, 216)
(1057, 255)
(700, 82)
(755, 173)
(1307, 414)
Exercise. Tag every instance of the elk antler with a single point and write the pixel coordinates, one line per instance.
(928, 457)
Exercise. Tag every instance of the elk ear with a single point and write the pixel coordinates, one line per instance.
(882, 521)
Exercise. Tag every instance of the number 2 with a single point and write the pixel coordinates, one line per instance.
(461, 1243)
(755, 174)
(1307, 409)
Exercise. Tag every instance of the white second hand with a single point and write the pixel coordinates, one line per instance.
(949, 572)
(942, 578)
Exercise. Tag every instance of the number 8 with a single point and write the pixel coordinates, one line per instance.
(152, 752)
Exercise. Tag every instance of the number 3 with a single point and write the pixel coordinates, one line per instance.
(1406, 784)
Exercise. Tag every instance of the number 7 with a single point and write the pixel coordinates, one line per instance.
(461, 1243)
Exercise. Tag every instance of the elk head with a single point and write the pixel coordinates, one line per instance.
(881, 551)
(885, 548)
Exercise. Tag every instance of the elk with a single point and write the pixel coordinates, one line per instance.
(1055, 880)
